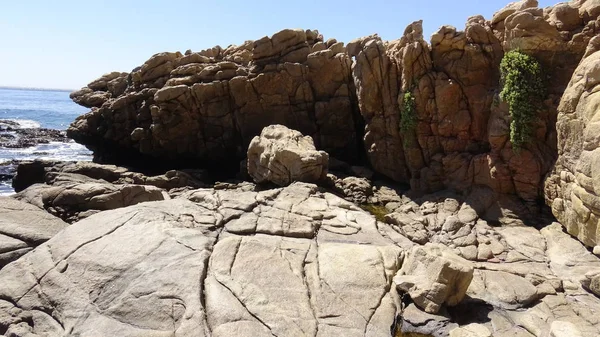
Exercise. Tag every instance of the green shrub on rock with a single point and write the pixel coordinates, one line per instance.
(408, 113)
(523, 90)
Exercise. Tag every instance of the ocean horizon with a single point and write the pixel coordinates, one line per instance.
(10, 87)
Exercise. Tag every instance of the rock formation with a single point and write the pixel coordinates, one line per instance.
(197, 268)
(573, 188)
(14, 135)
(433, 276)
(282, 156)
(295, 261)
(179, 254)
(73, 191)
(204, 108)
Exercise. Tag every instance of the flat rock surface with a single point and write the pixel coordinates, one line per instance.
(23, 227)
(295, 261)
(185, 268)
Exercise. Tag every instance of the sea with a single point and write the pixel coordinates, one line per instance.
(33, 108)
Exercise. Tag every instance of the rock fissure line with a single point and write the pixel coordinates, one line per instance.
(246, 308)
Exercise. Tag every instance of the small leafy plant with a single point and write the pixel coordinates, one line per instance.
(523, 90)
(408, 113)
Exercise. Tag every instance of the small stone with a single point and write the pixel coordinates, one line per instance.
(392, 206)
(467, 214)
(452, 224)
(564, 329)
(596, 250)
(432, 275)
(469, 252)
(484, 252)
(545, 288)
(496, 247)
(569, 285)
(451, 205)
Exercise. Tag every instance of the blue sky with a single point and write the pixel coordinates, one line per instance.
(68, 43)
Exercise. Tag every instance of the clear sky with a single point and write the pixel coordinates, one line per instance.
(68, 43)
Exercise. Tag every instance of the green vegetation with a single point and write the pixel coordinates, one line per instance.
(377, 210)
(408, 113)
(523, 90)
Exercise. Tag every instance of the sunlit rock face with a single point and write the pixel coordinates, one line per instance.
(203, 108)
(573, 188)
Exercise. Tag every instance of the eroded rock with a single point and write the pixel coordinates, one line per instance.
(139, 270)
(282, 156)
(573, 188)
(434, 276)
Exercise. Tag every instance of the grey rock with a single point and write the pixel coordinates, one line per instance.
(502, 289)
(282, 156)
(73, 201)
(184, 267)
(416, 321)
(23, 227)
(433, 276)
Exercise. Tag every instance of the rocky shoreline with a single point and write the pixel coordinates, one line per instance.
(442, 264)
(297, 186)
(13, 135)
(257, 247)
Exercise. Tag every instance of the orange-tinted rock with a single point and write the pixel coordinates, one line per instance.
(204, 108)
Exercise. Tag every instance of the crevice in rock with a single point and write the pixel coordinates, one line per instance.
(245, 307)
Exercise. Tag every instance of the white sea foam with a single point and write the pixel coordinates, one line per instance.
(6, 189)
(70, 151)
(51, 151)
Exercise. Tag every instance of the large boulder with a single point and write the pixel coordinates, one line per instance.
(203, 108)
(76, 197)
(282, 156)
(23, 227)
(573, 188)
(46, 171)
(434, 276)
(502, 289)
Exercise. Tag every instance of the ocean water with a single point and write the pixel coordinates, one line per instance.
(40, 108)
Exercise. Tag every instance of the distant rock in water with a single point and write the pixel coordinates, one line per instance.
(14, 135)
(22, 135)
